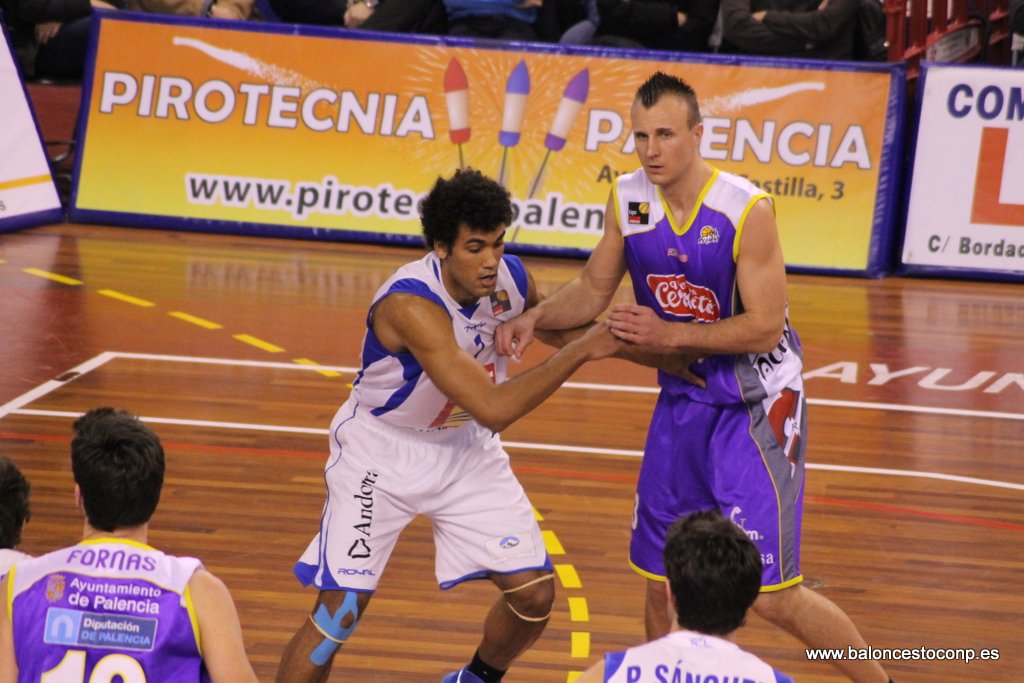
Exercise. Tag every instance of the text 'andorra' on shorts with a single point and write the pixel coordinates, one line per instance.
(380, 477)
(700, 456)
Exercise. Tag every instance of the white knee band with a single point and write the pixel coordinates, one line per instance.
(539, 579)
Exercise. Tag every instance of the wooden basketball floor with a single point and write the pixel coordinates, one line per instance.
(914, 522)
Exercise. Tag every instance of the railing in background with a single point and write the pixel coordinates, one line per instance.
(948, 31)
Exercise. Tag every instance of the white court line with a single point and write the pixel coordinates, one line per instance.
(548, 447)
(15, 406)
(228, 361)
(623, 388)
(54, 384)
(916, 409)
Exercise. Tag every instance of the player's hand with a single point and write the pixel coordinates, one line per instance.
(357, 14)
(599, 342)
(512, 337)
(680, 365)
(46, 30)
(639, 325)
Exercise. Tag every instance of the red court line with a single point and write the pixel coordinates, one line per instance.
(895, 509)
(575, 474)
(566, 473)
(171, 446)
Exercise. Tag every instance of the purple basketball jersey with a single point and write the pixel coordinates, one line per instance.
(687, 273)
(105, 609)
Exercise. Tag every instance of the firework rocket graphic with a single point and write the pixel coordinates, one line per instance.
(517, 90)
(456, 97)
(573, 97)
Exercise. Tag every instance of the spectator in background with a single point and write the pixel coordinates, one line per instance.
(1017, 27)
(50, 36)
(14, 513)
(673, 25)
(817, 29)
(215, 9)
(395, 16)
(572, 22)
(498, 19)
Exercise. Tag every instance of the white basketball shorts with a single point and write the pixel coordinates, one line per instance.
(380, 477)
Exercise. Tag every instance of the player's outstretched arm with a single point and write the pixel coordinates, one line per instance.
(578, 301)
(673, 361)
(8, 666)
(761, 280)
(406, 322)
(220, 632)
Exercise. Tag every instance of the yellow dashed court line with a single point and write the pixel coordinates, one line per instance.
(537, 516)
(568, 576)
(258, 343)
(578, 610)
(580, 644)
(573, 675)
(135, 301)
(52, 276)
(325, 373)
(201, 322)
(552, 543)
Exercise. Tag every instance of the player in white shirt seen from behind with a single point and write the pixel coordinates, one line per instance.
(714, 576)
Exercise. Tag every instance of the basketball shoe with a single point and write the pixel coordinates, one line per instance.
(463, 675)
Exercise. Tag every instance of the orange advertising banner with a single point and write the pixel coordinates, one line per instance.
(336, 133)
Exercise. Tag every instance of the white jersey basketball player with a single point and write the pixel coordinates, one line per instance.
(419, 436)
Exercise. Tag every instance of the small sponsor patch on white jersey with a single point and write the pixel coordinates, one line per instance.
(510, 546)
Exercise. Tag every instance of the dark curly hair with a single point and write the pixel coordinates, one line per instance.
(714, 571)
(468, 197)
(118, 464)
(661, 84)
(14, 510)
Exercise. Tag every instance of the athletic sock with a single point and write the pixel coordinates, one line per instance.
(486, 672)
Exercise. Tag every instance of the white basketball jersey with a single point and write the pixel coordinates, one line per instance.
(689, 656)
(393, 386)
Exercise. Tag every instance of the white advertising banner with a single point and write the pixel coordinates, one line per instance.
(27, 193)
(966, 209)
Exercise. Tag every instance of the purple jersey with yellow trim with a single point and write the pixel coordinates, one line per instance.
(103, 610)
(687, 273)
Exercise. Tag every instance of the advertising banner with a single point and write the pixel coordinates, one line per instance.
(334, 134)
(27, 194)
(966, 209)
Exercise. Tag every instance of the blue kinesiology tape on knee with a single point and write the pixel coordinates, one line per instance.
(333, 628)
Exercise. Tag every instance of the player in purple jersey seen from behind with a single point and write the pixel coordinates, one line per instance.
(112, 608)
(418, 435)
(713, 577)
(702, 250)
